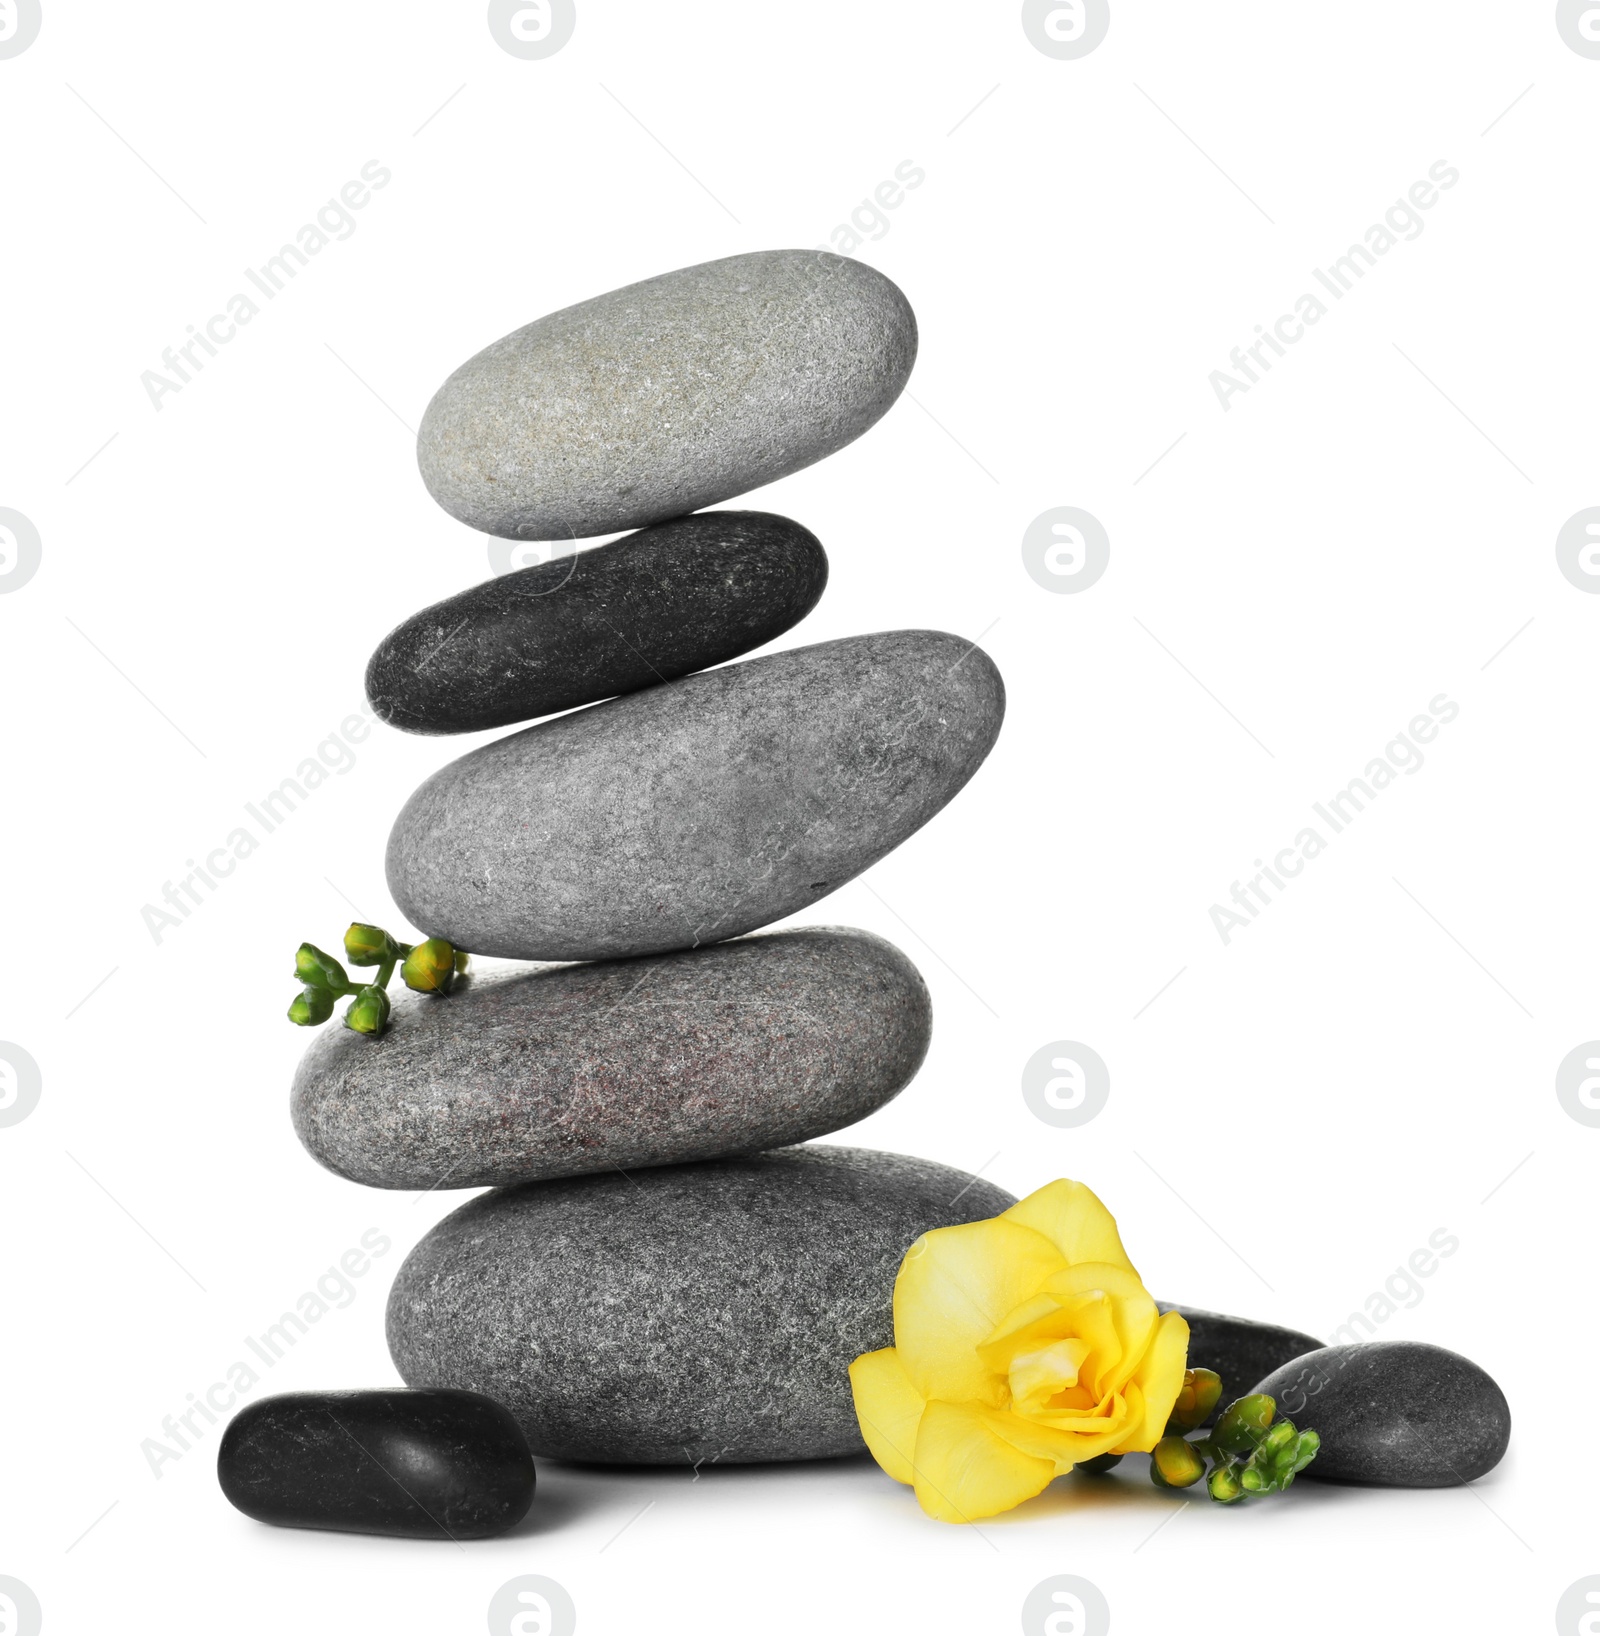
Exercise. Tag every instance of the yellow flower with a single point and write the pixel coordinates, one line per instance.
(1022, 1346)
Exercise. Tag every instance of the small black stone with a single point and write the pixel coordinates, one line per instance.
(1400, 1414)
(419, 1465)
(1238, 1349)
(662, 603)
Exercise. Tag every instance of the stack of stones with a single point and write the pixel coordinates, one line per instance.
(660, 1273)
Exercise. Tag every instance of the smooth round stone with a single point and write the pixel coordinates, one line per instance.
(698, 810)
(662, 603)
(1240, 1350)
(1397, 1413)
(421, 1465)
(667, 396)
(701, 1312)
(563, 1072)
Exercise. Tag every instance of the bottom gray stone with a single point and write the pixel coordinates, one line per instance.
(1399, 1414)
(698, 1312)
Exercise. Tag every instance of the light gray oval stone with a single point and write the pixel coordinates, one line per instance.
(667, 396)
(699, 1312)
(698, 810)
(734, 1049)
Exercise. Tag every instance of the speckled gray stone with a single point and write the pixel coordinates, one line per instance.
(1240, 1350)
(659, 604)
(1400, 1414)
(698, 810)
(667, 396)
(700, 1312)
(571, 1070)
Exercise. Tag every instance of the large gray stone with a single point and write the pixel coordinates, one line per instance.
(738, 1048)
(698, 810)
(700, 1312)
(666, 396)
(656, 605)
(1399, 1414)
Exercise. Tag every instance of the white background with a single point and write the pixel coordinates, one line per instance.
(1368, 1062)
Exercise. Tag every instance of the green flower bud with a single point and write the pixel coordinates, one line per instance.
(1305, 1450)
(1101, 1464)
(1196, 1399)
(1243, 1423)
(369, 1011)
(463, 963)
(430, 968)
(1175, 1463)
(369, 945)
(1224, 1486)
(318, 970)
(310, 1007)
(1278, 1456)
(1290, 1456)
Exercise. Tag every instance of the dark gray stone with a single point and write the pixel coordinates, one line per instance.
(700, 1312)
(1240, 1350)
(659, 604)
(697, 810)
(1401, 1414)
(420, 1465)
(667, 396)
(738, 1048)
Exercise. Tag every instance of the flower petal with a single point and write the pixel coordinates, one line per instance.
(1090, 1316)
(956, 1285)
(1158, 1380)
(1124, 1308)
(1074, 1220)
(966, 1471)
(1037, 1376)
(888, 1407)
(1064, 1440)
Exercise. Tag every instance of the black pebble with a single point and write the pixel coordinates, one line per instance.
(662, 603)
(1401, 1414)
(417, 1464)
(1238, 1349)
